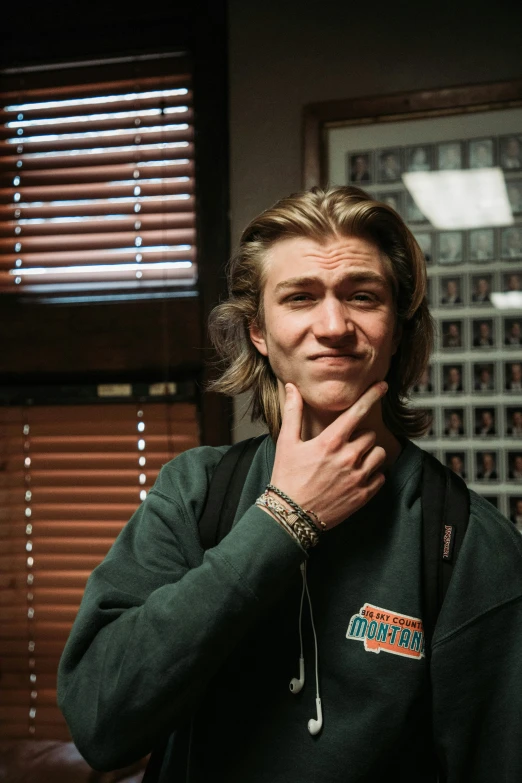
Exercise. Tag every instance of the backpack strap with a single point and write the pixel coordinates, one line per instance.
(225, 490)
(445, 515)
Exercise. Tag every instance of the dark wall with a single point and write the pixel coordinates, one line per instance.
(42, 31)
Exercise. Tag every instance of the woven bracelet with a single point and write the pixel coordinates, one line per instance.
(302, 533)
(307, 515)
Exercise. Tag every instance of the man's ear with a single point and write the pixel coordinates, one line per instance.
(258, 338)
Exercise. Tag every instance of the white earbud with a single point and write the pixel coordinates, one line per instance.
(316, 724)
(296, 684)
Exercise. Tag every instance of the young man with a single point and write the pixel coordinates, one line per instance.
(327, 324)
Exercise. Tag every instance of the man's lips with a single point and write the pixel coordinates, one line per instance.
(326, 355)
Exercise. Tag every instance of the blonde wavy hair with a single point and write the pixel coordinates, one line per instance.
(322, 215)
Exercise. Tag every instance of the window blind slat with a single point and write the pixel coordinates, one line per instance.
(117, 173)
(98, 156)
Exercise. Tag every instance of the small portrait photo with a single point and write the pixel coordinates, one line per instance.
(456, 460)
(451, 250)
(425, 242)
(514, 422)
(514, 462)
(485, 425)
(513, 331)
(514, 191)
(515, 511)
(482, 244)
(413, 213)
(511, 152)
(360, 168)
(454, 422)
(419, 158)
(481, 289)
(511, 242)
(451, 290)
(449, 156)
(425, 383)
(486, 463)
(452, 334)
(481, 153)
(512, 281)
(513, 376)
(452, 378)
(389, 165)
(483, 333)
(484, 377)
(430, 420)
(393, 199)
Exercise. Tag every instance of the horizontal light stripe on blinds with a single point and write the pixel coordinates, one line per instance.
(84, 486)
(101, 174)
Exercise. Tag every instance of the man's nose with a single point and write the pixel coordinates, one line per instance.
(333, 320)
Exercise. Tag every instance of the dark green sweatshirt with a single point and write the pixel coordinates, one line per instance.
(170, 638)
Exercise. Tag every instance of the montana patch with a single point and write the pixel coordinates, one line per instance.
(382, 629)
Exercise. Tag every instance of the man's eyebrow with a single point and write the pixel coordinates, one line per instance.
(354, 277)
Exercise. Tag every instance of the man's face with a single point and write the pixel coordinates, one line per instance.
(456, 464)
(360, 164)
(329, 319)
(487, 461)
(452, 287)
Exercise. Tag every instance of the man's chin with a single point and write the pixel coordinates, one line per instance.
(331, 404)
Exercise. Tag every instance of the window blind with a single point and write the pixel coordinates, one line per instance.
(70, 478)
(97, 180)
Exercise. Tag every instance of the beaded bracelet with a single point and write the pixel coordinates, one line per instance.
(305, 535)
(306, 515)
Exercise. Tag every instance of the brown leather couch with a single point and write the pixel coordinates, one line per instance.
(52, 761)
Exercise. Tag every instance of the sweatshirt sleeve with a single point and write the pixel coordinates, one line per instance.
(476, 665)
(159, 616)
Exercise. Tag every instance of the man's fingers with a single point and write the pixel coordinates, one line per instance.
(349, 420)
(374, 460)
(292, 414)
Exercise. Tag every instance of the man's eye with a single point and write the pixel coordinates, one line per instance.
(299, 298)
(362, 297)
